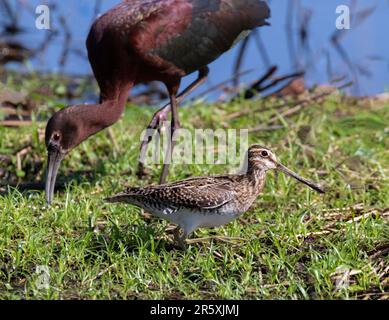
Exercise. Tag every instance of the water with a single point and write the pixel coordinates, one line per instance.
(366, 44)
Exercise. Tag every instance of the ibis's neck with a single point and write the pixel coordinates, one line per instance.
(97, 117)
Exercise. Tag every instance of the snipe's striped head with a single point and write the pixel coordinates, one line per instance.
(264, 159)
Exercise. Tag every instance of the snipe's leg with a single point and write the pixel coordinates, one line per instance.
(180, 240)
(162, 115)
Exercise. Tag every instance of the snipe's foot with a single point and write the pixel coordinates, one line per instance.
(179, 240)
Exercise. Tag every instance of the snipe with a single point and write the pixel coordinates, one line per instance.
(208, 201)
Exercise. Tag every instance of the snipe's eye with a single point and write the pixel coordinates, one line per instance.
(264, 154)
(56, 137)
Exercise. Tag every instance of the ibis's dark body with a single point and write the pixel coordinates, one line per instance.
(164, 40)
(148, 40)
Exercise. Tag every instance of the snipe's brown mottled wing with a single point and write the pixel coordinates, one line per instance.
(201, 193)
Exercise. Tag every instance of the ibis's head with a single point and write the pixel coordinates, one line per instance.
(64, 131)
(264, 159)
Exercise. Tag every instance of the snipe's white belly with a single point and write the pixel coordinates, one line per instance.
(190, 219)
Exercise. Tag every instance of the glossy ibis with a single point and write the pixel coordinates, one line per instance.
(140, 41)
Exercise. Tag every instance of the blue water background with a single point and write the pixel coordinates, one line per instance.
(366, 44)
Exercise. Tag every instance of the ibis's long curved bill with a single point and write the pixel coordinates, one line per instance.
(53, 162)
(311, 184)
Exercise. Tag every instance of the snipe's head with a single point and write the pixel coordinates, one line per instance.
(263, 159)
(64, 131)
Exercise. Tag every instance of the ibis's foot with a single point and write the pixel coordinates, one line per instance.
(155, 124)
(159, 118)
(142, 171)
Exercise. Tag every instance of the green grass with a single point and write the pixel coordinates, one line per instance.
(292, 244)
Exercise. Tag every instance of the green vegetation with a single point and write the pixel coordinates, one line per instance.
(292, 244)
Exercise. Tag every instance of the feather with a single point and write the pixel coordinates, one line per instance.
(184, 34)
(214, 27)
(201, 193)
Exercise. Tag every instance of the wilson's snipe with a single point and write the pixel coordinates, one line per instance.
(208, 201)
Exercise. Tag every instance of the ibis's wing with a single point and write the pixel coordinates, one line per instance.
(191, 34)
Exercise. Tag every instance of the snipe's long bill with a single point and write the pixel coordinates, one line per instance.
(208, 201)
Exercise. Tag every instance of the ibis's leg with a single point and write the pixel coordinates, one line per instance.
(162, 114)
(175, 125)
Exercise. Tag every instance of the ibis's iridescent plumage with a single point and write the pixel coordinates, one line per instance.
(147, 40)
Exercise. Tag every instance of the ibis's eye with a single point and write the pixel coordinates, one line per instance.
(56, 137)
(264, 153)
